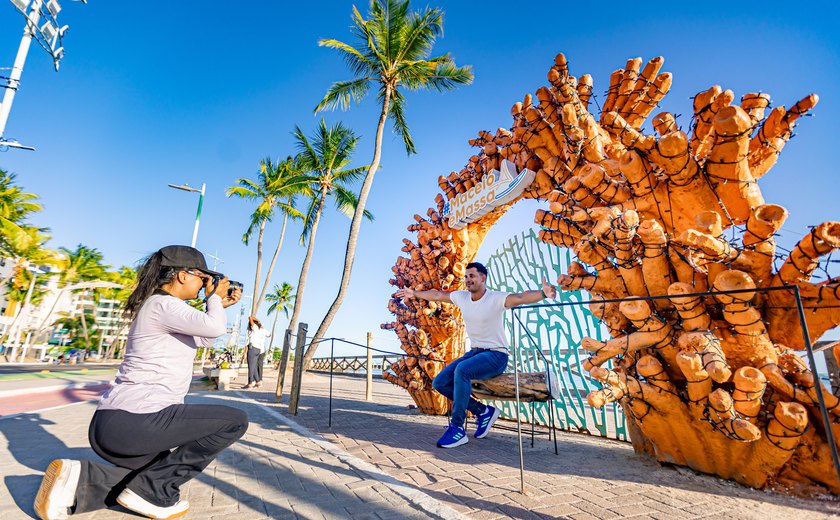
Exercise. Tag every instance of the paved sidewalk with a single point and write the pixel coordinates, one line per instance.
(275, 471)
(590, 478)
(379, 460)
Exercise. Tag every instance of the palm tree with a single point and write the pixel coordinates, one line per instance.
(82, 265)
(27, 247)
(324, 160)
(276, 187)
(392, 53)
(15, 207)
(126, 277)
(74, 324)
(281, 298)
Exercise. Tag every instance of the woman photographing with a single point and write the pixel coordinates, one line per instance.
(256, 351)
(155, 442)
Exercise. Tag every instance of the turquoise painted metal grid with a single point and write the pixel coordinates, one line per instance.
(518, 266)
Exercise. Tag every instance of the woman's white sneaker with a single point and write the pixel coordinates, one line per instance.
(131, 500)
(57, 493)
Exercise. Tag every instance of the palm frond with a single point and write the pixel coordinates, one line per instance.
(342, 93)
(309, 217)
(396, 113)
(346, 202)
(421, 31)
(358, 63)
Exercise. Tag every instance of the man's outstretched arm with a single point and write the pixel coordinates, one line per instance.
(432, 295)
(526, 297)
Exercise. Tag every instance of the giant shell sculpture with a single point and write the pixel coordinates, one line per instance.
(709, 382)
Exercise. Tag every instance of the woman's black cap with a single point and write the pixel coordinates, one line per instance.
(186, 257)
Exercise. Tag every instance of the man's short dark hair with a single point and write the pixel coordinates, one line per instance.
(478, 267)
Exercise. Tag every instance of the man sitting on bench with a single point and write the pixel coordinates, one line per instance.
(483, 313)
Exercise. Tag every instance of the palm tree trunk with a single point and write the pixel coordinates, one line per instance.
(271, 265)
(84, 327)
(11, 327)
(254, 302)
(352, 238)
(274, 326)
(305, 267)
(111, 348)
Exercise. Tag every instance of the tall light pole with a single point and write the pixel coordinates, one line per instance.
(187, 187)
(49, 36)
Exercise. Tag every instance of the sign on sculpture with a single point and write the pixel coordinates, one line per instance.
(493, 190)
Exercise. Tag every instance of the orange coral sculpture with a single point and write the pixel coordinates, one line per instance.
(707, 382)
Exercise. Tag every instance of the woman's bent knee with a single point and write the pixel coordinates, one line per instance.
(238, 421)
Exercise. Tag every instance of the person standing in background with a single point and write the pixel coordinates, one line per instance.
(256, 351)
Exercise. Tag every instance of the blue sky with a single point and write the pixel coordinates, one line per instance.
(155, 92)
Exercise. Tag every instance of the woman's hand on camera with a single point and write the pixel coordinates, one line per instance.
(221, 287)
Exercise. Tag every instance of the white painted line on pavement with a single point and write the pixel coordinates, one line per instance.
(43, 409)
(422, 500)
(51, 388)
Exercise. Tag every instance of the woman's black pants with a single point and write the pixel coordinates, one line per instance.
(154, 453)
(255, 361)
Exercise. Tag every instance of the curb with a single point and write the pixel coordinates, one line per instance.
(423, 501)
(51, 388)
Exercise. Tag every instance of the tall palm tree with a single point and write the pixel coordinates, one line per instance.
(82, 264)
(275, 190)
(324, 159)
(126, 277)
(392, 53)
(15, 207)
(281, 298)
(27, 247)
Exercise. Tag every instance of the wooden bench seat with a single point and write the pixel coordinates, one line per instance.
(536, 387)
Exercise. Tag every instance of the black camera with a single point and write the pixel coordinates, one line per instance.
(233, 286)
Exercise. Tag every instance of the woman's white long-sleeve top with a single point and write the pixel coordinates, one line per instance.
(159, 354)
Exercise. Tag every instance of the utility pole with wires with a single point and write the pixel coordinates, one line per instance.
(216, 259)
(237, 328)
(49, 36)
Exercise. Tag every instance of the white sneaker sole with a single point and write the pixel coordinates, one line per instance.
(52, 478)
(493, 418)
(455, 444)
(141, 506)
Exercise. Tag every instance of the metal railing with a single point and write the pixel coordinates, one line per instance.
(549, 362)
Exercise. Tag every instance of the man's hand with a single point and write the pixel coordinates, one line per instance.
(549, 290)
(404, 294)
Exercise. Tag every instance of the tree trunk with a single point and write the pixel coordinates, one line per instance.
(532, 387)
(352, 239)
(274, 326)
(84, 326)
(254, 302)
(271, 265)
(111, 348)
(305, 267)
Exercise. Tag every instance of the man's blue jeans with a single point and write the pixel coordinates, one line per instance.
(455, 381)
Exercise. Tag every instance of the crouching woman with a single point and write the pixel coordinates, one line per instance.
(155, 442)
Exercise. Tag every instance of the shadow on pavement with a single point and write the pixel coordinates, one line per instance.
(399, 428)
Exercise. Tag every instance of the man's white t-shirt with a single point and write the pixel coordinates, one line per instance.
(483, 319)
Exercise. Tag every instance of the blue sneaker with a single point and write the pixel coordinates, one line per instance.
(452, 437)
(485, 421)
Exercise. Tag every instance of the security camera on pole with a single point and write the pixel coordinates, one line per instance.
(49, 36)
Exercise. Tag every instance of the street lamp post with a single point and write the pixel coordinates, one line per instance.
(187, 187)
(49, 36)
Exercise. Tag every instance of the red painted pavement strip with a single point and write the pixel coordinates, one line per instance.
(38, 401)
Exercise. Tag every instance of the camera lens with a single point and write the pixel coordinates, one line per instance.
(233, 286)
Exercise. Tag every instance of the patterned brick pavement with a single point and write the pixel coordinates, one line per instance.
(275, 471)
(379, 460)
(590, 478)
